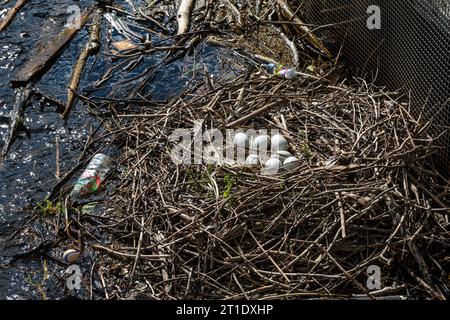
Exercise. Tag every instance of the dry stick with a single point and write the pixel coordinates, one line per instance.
(341, 213)
(102, 279)
(218, 43)
(253, 114)
(164, 273)
(437, 294)
(269, 257)
(291, 46)
(420, 261)
(315, 41)
(39, 94)
(184, 15)
(138, 250)
(359, 285)
(240, 286)
(11, 14)
(127, 255)
(91, 48)
(151, 19)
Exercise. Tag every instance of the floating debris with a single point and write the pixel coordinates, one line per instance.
(71, 256)
(280, 71)
(93, 177)
(124, 45)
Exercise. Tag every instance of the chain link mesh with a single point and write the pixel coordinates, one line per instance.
(411, 51)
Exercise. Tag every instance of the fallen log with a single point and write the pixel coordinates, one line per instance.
(48, 54)
(9, 18)
(91, 48)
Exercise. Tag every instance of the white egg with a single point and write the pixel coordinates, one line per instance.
(241, 140)
(252, 160)
(279, 143)
(273, 163)
(281, 155)
(272, 166)
(291, 163)
(71, 256)
(261, 142)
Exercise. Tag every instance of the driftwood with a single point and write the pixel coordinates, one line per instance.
(48, 54)
(184, 15)
(11, 14)
(22, 97)
(91, 48)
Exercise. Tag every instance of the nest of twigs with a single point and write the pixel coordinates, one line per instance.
(364, 216)
(205, 231)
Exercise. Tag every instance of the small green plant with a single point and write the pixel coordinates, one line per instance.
(305, 150)
(230, 183)
(40, 286)
(190, 174)
(47, 208)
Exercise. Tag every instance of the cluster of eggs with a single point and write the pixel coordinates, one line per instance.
(279, 146)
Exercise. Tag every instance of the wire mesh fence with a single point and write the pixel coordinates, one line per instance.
(410, 50)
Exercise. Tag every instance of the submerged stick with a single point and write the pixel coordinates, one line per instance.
(91, 48)
(184, 15)
(9, 18)
(22, 97)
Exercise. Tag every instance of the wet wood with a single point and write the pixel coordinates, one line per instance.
(22, 97)
(91, 48)
(47, 55)
(9, 18)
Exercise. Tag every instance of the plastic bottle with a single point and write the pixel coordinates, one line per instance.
(280, 71)
(92, 178)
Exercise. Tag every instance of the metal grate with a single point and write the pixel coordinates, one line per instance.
(411, 50)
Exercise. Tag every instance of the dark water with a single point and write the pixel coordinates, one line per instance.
(29, 171)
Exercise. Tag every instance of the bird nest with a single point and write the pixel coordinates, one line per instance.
(363, 197)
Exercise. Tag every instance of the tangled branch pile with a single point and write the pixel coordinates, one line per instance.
(229, 232)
